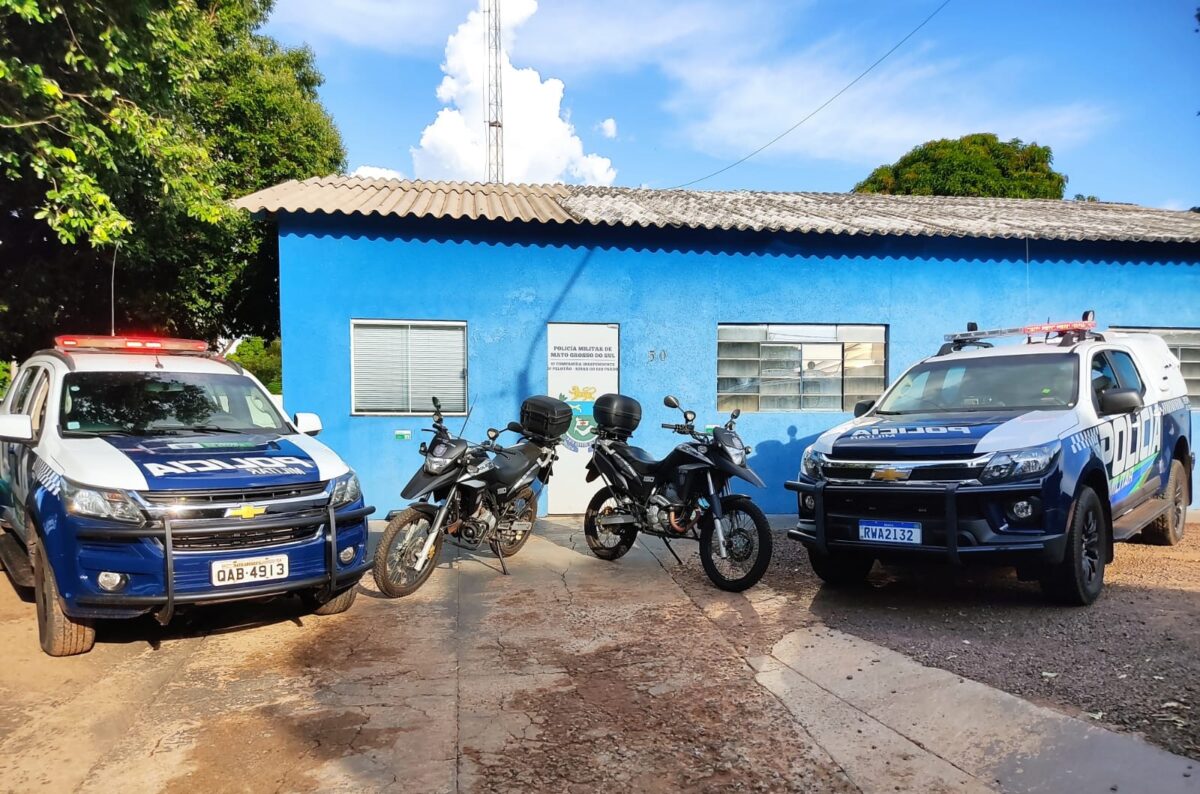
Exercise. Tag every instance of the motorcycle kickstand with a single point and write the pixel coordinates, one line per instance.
(500, 556)
(667, 543)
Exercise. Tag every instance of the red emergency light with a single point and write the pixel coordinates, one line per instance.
(131, 344)
(1058, 328)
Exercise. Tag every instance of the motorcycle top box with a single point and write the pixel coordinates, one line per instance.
(617, 414)
(545, 417)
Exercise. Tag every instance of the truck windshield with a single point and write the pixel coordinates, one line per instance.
(164, 403)
(1003, 383)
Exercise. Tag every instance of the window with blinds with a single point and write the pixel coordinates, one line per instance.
(1185, 344)
(799, 367)
(398, 367)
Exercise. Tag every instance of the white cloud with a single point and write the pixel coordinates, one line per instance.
(540, 144)
(735, 106)
(608, 128)
(388, 25)
(376, 172)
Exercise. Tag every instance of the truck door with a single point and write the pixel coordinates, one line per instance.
(1131, 440)
(16, 460)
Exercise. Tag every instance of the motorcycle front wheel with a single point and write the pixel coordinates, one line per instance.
(747, 547)
(398, 569)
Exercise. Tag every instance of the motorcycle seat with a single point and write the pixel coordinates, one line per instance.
(643, 462)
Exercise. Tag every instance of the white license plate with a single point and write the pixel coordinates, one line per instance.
(890, 532)
(250, 569)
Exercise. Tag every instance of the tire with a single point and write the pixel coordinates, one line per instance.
(59, 633)
(386, 567)
(750, 542)
(320, 603)
(841, 569)
(1167, 529)
(530, 512)
(1079, 578)
(621, 541)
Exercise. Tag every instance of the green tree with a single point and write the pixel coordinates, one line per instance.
(973, 165)
(224, 111)
(263, 359)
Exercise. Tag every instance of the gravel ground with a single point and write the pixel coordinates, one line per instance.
(1130, 661)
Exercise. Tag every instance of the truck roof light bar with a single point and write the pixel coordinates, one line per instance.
(130, 344)
(1024, 330)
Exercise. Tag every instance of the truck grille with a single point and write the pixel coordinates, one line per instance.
(232, 540)
(238, 495)
(918, 470)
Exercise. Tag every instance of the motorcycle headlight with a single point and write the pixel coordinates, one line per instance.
(99, 503)
(436, 465)
(812, 462)
(1019, 463)
(346, 489)
(736, 452)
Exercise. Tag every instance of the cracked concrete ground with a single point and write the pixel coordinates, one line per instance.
(572, 674)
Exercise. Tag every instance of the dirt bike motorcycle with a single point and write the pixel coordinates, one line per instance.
(684, 496)
(475, 494)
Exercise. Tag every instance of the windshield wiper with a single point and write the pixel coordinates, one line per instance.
(95, 433)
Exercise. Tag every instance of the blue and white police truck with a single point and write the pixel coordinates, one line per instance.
(1038, 455)
(146, 475)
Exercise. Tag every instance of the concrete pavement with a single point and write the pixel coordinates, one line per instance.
(571, 674)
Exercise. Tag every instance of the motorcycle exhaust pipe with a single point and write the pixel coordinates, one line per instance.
(612, 520)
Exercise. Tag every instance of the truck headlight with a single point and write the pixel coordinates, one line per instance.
(812, 462)
(1020, 463)
(99, 503)
(346, 489)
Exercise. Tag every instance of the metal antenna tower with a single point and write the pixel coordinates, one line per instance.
(495, 100)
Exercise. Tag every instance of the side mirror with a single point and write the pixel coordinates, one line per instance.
(516, 427)
(670, 401)
(862, 406)
(308, 424)
(16, 427)
(493, 433)
(689, 416)
(437, 404)
(1120, 401)
(736, 413)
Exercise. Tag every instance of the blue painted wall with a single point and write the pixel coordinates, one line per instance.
(668, 290)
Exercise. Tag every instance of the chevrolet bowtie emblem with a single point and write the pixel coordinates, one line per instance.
(891, 474)
(245, 512)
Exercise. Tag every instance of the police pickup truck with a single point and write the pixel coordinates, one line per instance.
(1037, 455)
(141, 475)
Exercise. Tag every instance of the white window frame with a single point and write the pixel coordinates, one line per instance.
(357, 321)
(885, 327)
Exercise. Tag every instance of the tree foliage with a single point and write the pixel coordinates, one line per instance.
(263, 359)
(973, 165)
(125, 126)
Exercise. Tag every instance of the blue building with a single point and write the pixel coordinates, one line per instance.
(788, 306)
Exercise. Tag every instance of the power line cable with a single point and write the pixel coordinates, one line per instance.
(823, 105)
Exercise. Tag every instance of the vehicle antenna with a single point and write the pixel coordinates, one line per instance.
(470, 408)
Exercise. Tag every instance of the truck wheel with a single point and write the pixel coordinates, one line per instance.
(321, 603)
(1167, 529)
(59, 633)
(1079, 578)
(840, 569)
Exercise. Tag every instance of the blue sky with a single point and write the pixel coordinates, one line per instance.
(691, 85)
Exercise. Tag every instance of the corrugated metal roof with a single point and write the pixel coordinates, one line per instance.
(824, 213)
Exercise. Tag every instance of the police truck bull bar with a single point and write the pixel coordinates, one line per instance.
(166, 530)
(950, 491)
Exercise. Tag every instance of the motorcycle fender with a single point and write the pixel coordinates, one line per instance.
(592, 471)
(427, 508)
(729, 500)
(423, 482)
(744, 472)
